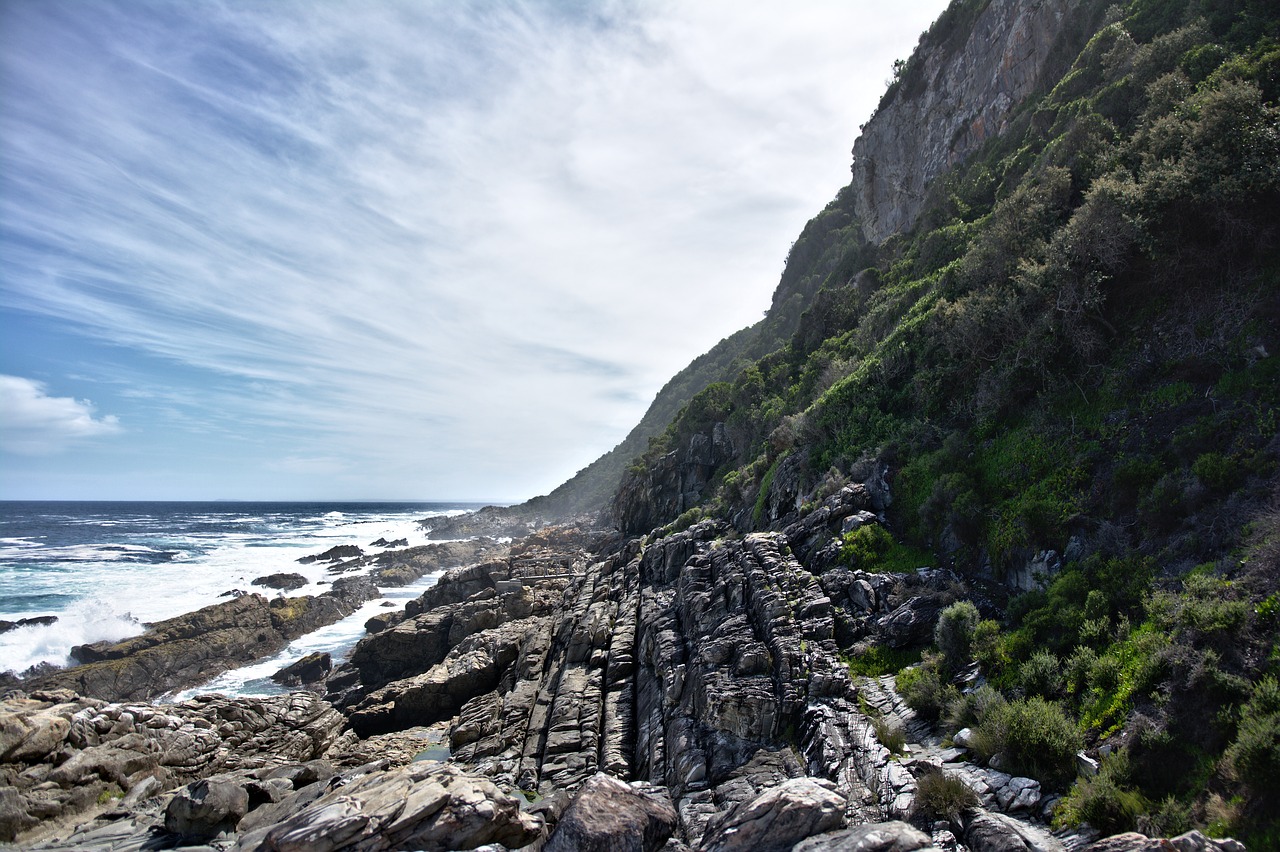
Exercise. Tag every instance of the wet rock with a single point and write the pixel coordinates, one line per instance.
(312, 668)
(283, 581)
(609, 815)
(334, 554)
(35, 621)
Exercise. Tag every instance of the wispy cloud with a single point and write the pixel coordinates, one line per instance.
(459, 243)
(34, 423)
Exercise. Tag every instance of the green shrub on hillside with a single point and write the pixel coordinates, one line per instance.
(953, 634)
(1034, 736)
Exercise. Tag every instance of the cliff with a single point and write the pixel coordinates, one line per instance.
(973, 68)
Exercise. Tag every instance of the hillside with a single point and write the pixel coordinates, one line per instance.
(1042, 323)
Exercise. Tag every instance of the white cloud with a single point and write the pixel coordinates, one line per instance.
(34, 423)
(461, 245)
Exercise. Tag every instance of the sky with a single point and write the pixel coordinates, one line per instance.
(431, 250)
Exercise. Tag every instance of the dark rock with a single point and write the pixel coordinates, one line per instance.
(609, 815)
(382, 542)
(283, 581)
(206, 809)
(312, 668)
(233, 593)
(35, 621)
(334, 554)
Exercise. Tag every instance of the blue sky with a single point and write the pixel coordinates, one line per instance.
(393, 250)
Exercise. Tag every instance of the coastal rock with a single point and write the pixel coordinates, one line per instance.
(609, 815)
(286, 582)
(402, 567)
(417, 807)
(334, 554)
(206, 809)
(187, 650)
(34, 621)
(312, 668)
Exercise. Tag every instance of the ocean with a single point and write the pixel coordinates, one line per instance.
(104, 569)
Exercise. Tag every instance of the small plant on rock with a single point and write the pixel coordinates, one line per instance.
(941, 795)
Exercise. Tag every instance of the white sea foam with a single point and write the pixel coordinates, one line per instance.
(338, 639)
(109, 592)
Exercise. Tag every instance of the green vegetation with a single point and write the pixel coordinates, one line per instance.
(1077, 350)
(941, 795)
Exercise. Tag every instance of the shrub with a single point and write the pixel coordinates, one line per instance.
(890, 736)
(1254, 756)
(1103, 801)
(954, 633)
(881, 660)
(941, 795)
(1036, 736)
(864, 547)
(923, 689)
(1041, 675)
(970, 708)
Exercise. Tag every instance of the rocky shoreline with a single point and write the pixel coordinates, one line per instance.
(683, 690)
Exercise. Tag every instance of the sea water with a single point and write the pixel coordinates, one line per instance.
(106, 569)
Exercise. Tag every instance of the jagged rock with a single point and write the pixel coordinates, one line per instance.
(382, 542)
(283, 581)
(609, 815)
(779, 818)
(423, 806)
(312, 668)
(402, 567)
(34, 621)
(893, 836)
(206, 809)
(334, 554)
(911, 623)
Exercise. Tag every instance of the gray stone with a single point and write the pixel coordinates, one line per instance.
(779, 818)
(896, 836)
(609, 815)
(206, 808)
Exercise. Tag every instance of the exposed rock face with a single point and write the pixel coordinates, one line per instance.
(956, 94)
(674, 483)
(189, 649)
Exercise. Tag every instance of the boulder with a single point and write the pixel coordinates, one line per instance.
(895, 836)
(334, 554)
(779, 818)
(421, 806)
(609, 815)
(206, 809)
(312, 668)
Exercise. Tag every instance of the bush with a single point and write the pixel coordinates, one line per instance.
(954, 634)
(890, 736)
(923, 689)
(1254, 756)
(941, 795)
(1102, 801)
(1036, 736)
(1041, 675)
(865, 546)
(881, 660)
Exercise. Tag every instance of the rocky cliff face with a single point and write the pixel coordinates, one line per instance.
(957, 91)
